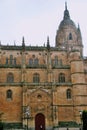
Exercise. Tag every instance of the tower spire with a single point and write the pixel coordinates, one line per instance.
(23, 43)
(48, 44)
(78, 27)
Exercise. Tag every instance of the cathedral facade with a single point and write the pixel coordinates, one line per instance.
(43, 86)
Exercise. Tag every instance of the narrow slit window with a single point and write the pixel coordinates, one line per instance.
(9, 94)
(70, 36)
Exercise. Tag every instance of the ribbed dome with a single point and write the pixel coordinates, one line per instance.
(66, 22)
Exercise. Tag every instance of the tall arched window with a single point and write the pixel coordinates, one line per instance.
(36, 61)
(61, 78)
(36, 78)
(6, 61)
(14, 61)
(56, 61)
(11, 59)
(68, 94)
(30, 62)
(9, 94)
(70, 36)
(10, 78)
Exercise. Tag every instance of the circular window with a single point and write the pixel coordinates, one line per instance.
(39, 96)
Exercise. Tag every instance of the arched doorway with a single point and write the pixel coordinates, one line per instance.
(39, 122)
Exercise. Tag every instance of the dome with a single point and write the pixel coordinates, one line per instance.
(66, 22)
(68, 35)
(66, 19)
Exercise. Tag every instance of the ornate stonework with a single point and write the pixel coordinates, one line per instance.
(51, 81)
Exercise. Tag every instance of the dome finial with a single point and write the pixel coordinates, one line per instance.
(65, 5)
(66, 12)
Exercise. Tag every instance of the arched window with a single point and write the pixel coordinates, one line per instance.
(68, 94)
(30, 62)
(70, 36)
(11, 59)
(36, 61)
(36, 78)
(14, 61)
(10, 78)
(61, 78)
(56, 61)
(6, 61)
(9, 94)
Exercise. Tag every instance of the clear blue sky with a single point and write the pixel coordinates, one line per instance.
(36, 19)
